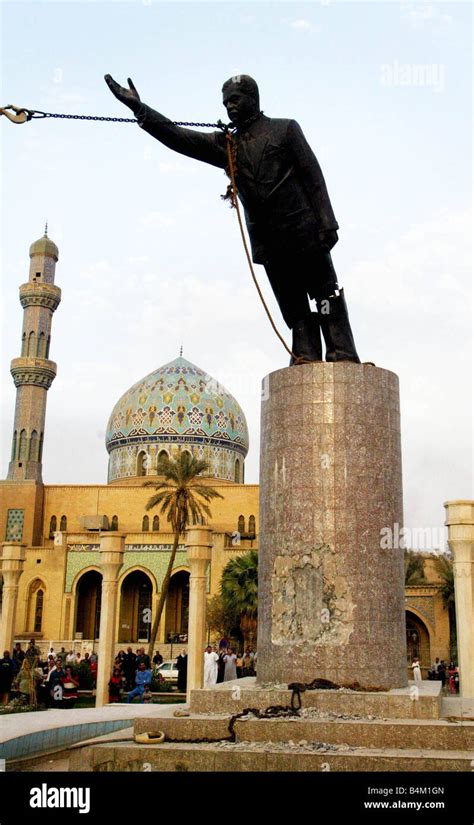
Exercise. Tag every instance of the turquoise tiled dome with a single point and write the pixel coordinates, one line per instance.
(177, 404)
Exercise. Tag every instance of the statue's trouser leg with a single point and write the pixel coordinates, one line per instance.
(292, 297)
(332, 312)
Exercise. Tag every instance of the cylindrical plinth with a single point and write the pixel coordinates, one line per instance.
(331, 583)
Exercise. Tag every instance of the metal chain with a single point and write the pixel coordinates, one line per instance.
(33, 114)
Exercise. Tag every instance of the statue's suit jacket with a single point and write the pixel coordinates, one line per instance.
(279, 180)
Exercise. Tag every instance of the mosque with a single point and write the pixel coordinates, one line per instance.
(53, 531)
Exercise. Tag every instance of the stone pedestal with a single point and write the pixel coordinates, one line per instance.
(13, 561)
(112, 546)
(199, 552)
(331, 581)
(460, 521)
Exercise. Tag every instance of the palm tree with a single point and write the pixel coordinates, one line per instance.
(239, 590)
(444, 567)
(414, 568)
(183, 499)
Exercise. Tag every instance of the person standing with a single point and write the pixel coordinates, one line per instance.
(230, 671)
(221, 667)
(416, 670)
(129, 667)
(157, 659)
(18, 656)
(210, 667)
(143, 657)
(7, 670)
(182, 668)
(115, 685)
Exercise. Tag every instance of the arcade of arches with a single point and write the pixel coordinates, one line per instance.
(135, 603)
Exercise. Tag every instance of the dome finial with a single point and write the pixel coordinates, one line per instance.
(46, 229)
(181, 351)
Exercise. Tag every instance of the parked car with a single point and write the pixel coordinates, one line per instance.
(168, 671)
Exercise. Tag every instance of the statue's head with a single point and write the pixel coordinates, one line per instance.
(241, 98)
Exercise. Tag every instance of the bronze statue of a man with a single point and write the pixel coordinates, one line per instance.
(289, 217)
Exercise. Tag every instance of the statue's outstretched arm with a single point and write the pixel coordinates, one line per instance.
(207, 147)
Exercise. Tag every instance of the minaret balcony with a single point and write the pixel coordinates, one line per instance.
(38, 294)
(39, 372)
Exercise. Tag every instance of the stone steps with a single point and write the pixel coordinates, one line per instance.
(398, 734)
(409, 703)
(271, 757)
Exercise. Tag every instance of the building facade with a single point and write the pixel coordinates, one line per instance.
(178, 407)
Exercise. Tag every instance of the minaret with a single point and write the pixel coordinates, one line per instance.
(33, 373)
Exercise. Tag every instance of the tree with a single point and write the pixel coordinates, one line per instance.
(220, 618)
(444, 567)
(184, 500)
(414, 568)
(239, 590)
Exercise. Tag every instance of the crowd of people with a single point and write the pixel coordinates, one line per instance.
(224, 664)
(51, 681)
(448, 675)
(54, 680)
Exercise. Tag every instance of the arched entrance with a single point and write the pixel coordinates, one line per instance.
(135, 608)
(88, 594)
(418, 642)
(177, 607)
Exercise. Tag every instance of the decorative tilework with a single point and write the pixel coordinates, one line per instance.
(156, 562)
(176, 404)
(15, 523)
(424, 604)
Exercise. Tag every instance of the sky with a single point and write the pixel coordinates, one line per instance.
(150, 258)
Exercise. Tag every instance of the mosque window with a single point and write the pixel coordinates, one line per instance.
(31, 344)
(241, 524)
(63, 524)
(35, 606)
(14, 446)
(41, 345)
(141, 464)
(237, 471)
(40, 451)
(38, 611)
(252, 525)
(47, 346)
(23, 344)
(114, 525)
(156, 523)
(53, 526)
(33, 451)
(145, 524)
(22, 450)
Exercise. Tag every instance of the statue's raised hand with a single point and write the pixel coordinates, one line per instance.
(129, 96)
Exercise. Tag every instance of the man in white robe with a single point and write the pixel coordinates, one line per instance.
(210, 667)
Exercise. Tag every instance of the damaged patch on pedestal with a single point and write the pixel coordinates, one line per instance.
(311, 601)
